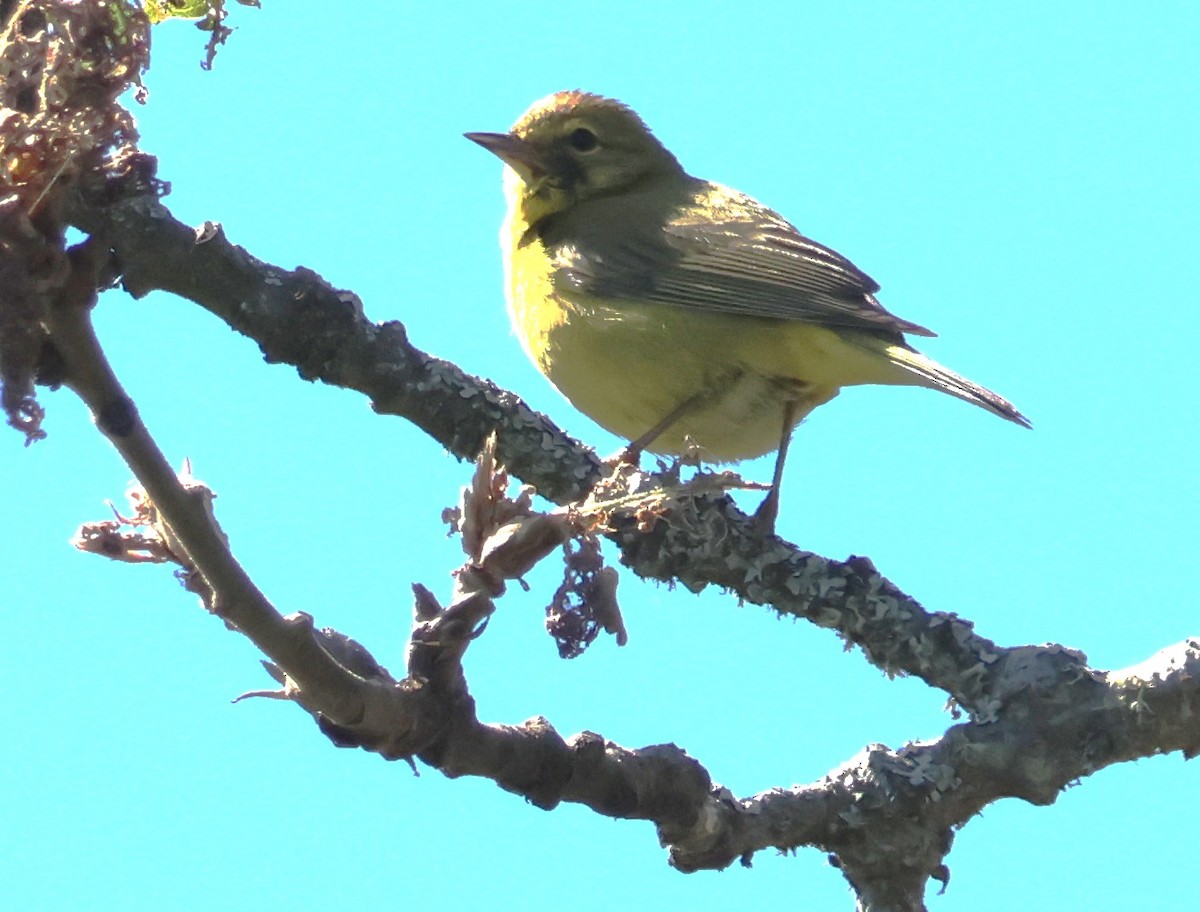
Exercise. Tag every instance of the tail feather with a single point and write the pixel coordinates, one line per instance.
(929, 373)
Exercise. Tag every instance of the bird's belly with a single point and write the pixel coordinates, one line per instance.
(629, 364)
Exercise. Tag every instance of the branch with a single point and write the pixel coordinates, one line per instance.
(297, 318)
(186, 510)
(887, 816)
(1040, 717)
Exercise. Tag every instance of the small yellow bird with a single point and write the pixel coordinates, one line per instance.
(673, 310)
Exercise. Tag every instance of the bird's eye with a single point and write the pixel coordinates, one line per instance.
(583, 140)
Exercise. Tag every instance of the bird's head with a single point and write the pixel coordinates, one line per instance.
(572, 146)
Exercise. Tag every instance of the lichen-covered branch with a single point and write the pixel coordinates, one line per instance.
(887, 817)
(297, 318)
(1039, 716)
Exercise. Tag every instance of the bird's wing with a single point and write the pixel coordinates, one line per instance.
(722, 251)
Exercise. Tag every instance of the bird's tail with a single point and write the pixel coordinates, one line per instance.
(928, 373)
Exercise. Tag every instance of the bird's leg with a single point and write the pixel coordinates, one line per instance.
(632, 453)
(768, 510)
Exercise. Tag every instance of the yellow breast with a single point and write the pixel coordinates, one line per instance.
(628, 364)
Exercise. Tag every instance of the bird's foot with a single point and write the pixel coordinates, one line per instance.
(766, 514)
(630, 455)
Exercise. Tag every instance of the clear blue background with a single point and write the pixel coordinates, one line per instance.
(1022, 177)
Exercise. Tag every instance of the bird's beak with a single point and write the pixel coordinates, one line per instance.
(517, 153)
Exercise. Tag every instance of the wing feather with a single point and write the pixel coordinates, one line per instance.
(720, 251)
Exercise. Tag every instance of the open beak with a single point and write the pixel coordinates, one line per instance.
(514, 151)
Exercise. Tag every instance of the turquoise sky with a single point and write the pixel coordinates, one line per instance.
(1021, 177)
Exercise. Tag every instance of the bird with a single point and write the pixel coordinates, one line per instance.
(678, 313)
